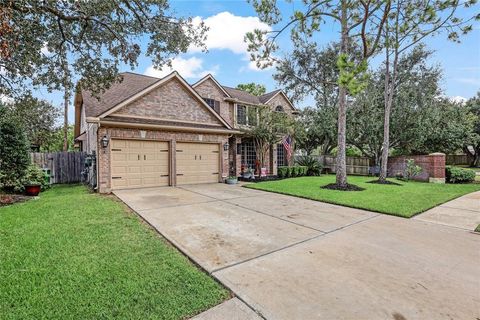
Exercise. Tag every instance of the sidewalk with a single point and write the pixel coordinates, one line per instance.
(463, 212)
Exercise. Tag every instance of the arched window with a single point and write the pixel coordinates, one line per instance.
(279, 109)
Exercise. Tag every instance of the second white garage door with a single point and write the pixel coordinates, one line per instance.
(197, 163)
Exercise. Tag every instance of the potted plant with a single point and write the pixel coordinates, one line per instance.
(34, 181)
(231, 180)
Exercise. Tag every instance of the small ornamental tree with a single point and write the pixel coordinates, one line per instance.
(270, 128)
(14, 152)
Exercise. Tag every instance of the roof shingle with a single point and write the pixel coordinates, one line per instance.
(132, 84)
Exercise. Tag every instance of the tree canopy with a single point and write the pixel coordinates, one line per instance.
(253, 88)
(97, 37)
(38, 117)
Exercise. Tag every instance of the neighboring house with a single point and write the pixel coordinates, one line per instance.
(150, 132)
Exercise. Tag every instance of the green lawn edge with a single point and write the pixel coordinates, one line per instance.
(76, 254)
(260, 186)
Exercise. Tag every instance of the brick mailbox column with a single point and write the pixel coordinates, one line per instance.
(437, 167)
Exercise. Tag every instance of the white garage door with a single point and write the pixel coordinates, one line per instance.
(136, 164)
(197, 163)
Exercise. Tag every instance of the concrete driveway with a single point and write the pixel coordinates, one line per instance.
(291, 258)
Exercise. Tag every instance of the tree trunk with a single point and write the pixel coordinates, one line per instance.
(66, 98)
(341, 165)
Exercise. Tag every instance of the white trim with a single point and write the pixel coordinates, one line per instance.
(209, 76)
(121, 115)
(286, 98)
(157, 84)
(165, 127)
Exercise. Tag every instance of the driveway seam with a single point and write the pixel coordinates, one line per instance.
(293, 244)
(202, 194)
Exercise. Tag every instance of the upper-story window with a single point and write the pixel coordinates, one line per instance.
(247, 115)
(241, 114)
(214, 104)
(279, 109)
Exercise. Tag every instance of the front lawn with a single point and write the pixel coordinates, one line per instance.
(406, 200)
(72, 254)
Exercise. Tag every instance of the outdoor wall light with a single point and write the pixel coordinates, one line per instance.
(104, 142)
(226, 146)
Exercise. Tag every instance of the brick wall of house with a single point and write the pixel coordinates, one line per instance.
(279, 100)
(208, 89)
(170, 101)
(433, 166)
(172, 137)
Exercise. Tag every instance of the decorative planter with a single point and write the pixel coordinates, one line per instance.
(231, 181)
(32, 190)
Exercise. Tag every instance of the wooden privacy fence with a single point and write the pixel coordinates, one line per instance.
(355, 165)
(457, 159)
(64, 167)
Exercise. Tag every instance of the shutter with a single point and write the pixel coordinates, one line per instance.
(216, 106)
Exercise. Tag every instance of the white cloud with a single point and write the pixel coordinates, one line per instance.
(5, 99)
(187, 67)
(458, 99)
(227, 32)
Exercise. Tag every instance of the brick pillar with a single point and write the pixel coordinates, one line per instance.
(437, 167)
(274, 160)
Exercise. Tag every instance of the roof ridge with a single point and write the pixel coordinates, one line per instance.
(140, 74)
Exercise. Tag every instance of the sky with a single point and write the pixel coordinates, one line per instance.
(228, 61)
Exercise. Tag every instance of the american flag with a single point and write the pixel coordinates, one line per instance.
(287, 144)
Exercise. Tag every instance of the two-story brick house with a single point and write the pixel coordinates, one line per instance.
(149, 131)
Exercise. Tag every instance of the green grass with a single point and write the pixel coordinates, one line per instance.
(406, 200)
(72, 254)
(477, 229)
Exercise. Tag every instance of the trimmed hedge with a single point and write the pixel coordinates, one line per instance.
(291, 172)
(459, 175)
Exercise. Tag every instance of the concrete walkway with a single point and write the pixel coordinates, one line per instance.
(291, 258)
(463, 212)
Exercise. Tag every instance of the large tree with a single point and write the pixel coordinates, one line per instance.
(421, 122)
(472, 146)
(410, 22)
(96, 37)
(312, 71)
(38, 118)
(359, 21)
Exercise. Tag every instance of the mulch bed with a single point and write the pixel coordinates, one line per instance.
(8, 199)
(259, 179)
(385, 182)
(348, 187)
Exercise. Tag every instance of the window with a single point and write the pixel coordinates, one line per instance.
(248, 154)
(241, 114)
(214, 104)
(252, 116)
(279, 109)
(247, 115)
(281, 161)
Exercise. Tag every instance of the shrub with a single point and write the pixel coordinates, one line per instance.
(459, 175)
(313, 166)
(282, 172)
(14, 153)
(35, 176)
(411, 170)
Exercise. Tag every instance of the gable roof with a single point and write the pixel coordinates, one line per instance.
(268, 96)
(131, 84)
(209, 76)
(133, 87)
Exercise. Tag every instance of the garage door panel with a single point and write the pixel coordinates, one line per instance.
(197, 163)
(136, 163)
